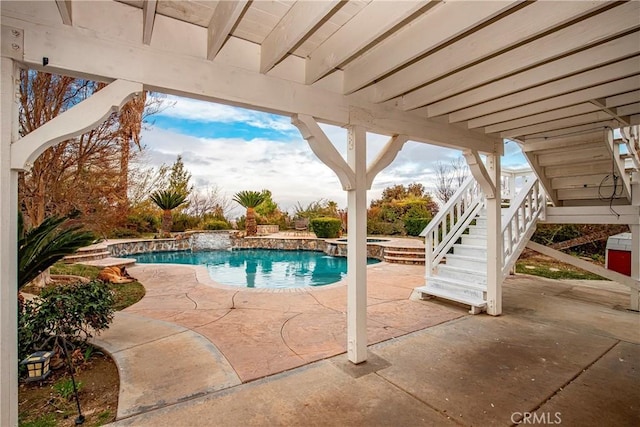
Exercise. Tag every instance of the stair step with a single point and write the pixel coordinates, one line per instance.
(477, 230)
(441, 293)
(110, 262)
(476, 240)
(468, 262)
(458, 284)
(481, 222)
(404, 253)
(462, 274)
(470, 250)
(90, 256)
(405, 260)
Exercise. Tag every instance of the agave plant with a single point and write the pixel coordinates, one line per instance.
(42, 246)
(167, 200)
(249, 200)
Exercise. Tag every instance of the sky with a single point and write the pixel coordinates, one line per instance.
(234, 149)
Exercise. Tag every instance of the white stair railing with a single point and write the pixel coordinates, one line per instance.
(451, 221)
(519, 221)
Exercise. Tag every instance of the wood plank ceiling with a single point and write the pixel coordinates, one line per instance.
(521, 70)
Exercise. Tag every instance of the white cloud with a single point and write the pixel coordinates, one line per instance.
(209, 112)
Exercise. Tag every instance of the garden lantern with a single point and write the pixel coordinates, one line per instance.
(38, 365)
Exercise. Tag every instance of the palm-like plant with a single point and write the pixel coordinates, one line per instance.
(249, 200)
(167, 200)
(44, 245)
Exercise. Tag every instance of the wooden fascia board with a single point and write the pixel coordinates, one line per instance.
(195, 77)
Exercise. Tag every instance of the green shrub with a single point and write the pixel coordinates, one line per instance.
(414, 226)
(325, 227)
(183, 222)
(215, 224)
(64, 387)
(72, 312)
(122, 233)
(143, 222)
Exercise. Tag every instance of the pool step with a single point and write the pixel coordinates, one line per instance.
(110, 262)
(413, 256)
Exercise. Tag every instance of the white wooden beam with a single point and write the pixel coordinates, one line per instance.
(611, 111)
(148, 19)
(385, 157)
(374, 20)
(357, 247)
(577, 82)
(535, 119)
(8, 246)
(623, 99)
(570, 141)
(601, 27)
(573, 130)
(495, 241)
(477, 118)
(225, 16)
(73, 122)
(548, 72)
(219, 82)
(510, 30)
(387, 120)
(64, 7)
(292, 28)
(618, 163)
(596, 116)
(542, 177)
(480, 173)
(592, 215)
(439, 25)
(628, 110)
(324, 149)
(585, 265)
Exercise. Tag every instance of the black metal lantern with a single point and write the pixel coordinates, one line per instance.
(38, 365)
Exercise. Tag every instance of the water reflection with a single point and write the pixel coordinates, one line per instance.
(260, 268)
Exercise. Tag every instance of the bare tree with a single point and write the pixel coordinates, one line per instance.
(449, 177)
(210, 201)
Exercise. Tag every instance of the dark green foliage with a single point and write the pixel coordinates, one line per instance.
(416, 218)
(72, 312)
(319, 208)
(122, 233)
(167, 200)
(40, 247)
(183, 222)
(143, 223)
(249, 199)
(326, 228)
(216, 224)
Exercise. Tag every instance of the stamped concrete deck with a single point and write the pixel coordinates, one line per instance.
(566, 351)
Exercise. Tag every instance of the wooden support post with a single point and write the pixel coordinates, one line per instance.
(8, 248)
(357, 248)
(494, 239)
(635, 265)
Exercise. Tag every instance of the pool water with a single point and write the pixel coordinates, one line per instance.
(260, 268)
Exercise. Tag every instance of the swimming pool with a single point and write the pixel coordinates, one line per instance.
(260, 268)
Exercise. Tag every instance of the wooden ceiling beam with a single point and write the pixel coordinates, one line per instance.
(292, 28)
(148, 19)
(224, 18)
(374, 20)
(64, 7)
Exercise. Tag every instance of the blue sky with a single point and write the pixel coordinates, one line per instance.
(236, 149)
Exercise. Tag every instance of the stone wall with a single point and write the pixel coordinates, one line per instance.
(219, 240)
(265, 229)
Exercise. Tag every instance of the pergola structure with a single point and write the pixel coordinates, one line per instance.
(555, 76)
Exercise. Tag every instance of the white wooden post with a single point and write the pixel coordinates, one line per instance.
(8, 248)
(635, 265)
(494, 240)
(357, 247)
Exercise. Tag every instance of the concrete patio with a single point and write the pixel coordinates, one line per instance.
(196, 353)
